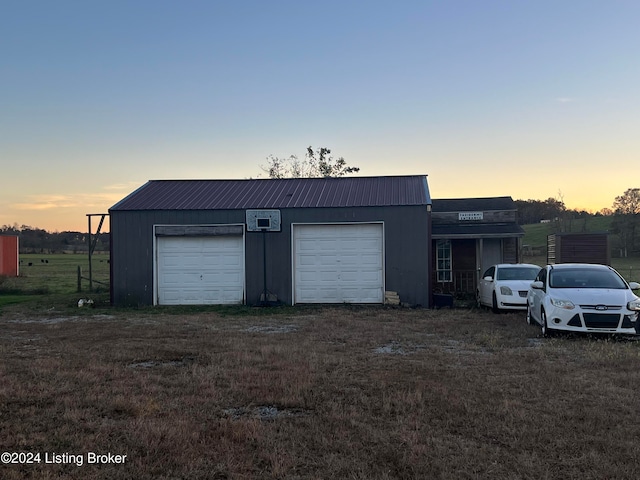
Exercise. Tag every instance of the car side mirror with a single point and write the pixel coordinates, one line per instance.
(634, 285)
(538, 284)
(488, 278)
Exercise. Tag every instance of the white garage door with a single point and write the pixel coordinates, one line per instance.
(200, 270)
(338, 263)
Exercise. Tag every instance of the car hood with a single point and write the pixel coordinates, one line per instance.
(515, 284)
(594, 296)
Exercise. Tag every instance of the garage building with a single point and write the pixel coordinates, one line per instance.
(297, 241)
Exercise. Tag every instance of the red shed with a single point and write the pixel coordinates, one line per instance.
(9, 255)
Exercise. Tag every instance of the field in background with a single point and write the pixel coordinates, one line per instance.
(536, 234)
(629, 268)
(53, 274)
(536, 238)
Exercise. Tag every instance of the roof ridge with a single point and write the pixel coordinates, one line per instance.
(325, 192)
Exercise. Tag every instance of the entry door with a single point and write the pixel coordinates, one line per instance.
(491, 252)
(338, 263)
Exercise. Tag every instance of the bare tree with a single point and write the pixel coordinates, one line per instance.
(316, 163)
(605, 212)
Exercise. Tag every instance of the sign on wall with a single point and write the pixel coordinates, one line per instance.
(462, 216)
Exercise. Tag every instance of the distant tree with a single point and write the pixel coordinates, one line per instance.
(533, 211)
(316, 163)
(605, 212)
(626, 219)
(628, 203)
(10, 229)
(37, 240)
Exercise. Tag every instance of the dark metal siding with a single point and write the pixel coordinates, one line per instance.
(499, 218)
(407, 249)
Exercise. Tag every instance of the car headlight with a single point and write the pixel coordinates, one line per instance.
(560, 303)
(634, 305)
(504, 290)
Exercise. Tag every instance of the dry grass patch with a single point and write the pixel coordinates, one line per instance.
(319, 393)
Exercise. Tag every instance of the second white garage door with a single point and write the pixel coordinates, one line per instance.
(338, 263)
(200, 270)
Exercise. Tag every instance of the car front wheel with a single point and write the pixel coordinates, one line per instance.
(495, 304)
(529, 319)
(544, 328)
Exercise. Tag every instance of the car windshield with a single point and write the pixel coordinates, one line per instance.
(517, 273)
(585, 278)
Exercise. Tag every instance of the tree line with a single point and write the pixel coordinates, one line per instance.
(537, 211)
(624, 214)
(37, 240)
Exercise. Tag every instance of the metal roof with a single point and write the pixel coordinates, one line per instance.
(481, 230)
(472, 204)
(278, 193)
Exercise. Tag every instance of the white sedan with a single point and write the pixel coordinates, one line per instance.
(583, 298)
(505, 286)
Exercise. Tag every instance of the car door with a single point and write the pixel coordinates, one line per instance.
(536, 295)
(486, 286)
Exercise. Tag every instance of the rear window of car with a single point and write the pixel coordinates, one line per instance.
(585, 278)
(517, 273)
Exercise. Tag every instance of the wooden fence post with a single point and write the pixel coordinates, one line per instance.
(79, 279)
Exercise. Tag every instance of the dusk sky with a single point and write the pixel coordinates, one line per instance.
(531, 99)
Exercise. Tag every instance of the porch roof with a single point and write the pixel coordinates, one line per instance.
(495, 230)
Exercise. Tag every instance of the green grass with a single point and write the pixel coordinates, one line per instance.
(55, 274)
(14, 299)
(535, 235)
(629, 268)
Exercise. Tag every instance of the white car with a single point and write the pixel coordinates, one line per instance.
(583, 298)
(505, 286)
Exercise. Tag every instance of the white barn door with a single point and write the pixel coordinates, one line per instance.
(200, 270)
(338, 263)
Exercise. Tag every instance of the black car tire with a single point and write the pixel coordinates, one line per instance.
(544, 327)
(495, 304)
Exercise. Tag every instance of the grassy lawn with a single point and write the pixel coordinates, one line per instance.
(301, 393)
(6, 299)
(536, 233)
(536, 236)
(629, 268)
(55, 274)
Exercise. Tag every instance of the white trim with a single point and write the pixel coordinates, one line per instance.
(293, 263)
(155, 254)
(449, 270)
